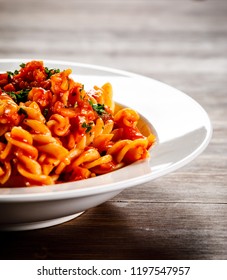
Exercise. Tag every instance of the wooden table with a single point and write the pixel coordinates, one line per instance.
(183, 43)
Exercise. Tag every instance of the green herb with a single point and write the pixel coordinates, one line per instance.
(21, 111)
(11, 74)
(45, 112)
(82, 88)
(99, 108)
(12, 95)
(21, 96)
(87, 126)
(51, 72)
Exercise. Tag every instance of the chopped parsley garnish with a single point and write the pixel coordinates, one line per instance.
(22, 96)
(21, 111)
(22, 65)
(99, 108)
(51, 72)
(82, 88)
(45, 112)
(11, 74)
(87, 126)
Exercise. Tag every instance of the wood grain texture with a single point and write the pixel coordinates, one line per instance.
(182, 215)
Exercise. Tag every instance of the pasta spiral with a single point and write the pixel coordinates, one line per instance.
(52, 130)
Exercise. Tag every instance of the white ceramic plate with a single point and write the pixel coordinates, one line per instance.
(183, 128)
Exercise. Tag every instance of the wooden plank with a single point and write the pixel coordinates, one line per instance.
(129, 231)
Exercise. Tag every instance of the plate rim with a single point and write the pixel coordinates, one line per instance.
(90, 190)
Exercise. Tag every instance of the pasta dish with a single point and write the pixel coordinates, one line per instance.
(53, 130)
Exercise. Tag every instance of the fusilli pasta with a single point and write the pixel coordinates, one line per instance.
(52, 130)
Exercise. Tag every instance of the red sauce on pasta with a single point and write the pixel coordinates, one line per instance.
(52, 130)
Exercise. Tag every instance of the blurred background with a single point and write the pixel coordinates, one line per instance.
(159, 38)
